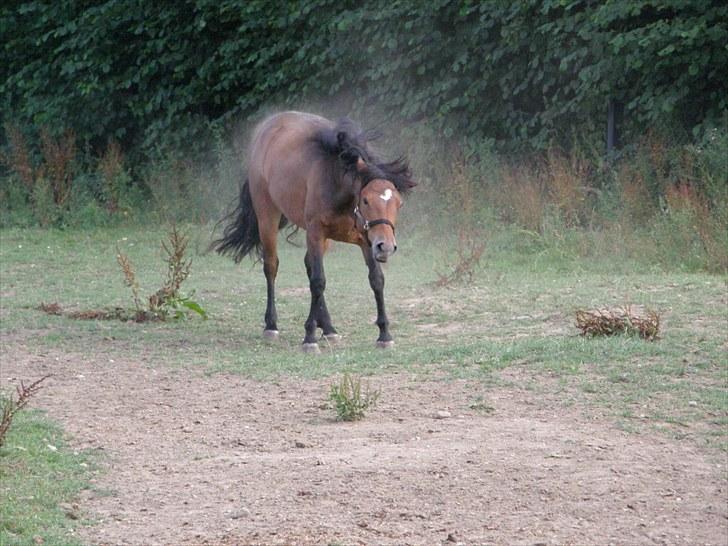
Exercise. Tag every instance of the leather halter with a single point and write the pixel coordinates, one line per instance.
(366, 225)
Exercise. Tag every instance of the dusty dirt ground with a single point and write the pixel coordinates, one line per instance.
(202, 460)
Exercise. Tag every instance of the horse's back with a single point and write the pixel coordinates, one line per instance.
(284, 130)
(281, 158)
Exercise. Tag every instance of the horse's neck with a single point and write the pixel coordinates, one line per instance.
(344, 195)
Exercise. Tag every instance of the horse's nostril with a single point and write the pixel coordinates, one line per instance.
(380, 247)
(395, 248)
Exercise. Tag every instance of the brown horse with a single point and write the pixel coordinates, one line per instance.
(323, 177)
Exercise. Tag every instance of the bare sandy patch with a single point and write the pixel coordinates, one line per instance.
(196, 459)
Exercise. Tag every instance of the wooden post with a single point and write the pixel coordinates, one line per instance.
(614, 113)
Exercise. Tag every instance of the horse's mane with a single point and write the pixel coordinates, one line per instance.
(348, 142)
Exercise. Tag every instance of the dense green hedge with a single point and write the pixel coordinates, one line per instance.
(521, 73)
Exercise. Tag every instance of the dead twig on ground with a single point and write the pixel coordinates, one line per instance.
(619, 320)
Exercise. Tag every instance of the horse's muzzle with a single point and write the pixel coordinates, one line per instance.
(382, 250)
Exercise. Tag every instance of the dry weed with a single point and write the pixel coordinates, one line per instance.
(58, 163)
(167, 302)
(522, 198)
(469, 252)
(684, 198)
(567, 184)
(637, 203)
(619, 320)
(50, 308)
(130, 279)
(471, 241)
(178, 269)
(12, 406)
(111, 168)
(18, 159)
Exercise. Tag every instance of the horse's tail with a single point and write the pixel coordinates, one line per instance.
(241, 236)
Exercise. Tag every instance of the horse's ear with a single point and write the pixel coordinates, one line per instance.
(361, 166)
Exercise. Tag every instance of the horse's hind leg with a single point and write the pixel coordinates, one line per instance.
(268, 227)
(318, 316)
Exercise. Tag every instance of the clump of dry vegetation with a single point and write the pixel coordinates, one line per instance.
(129, 278)
(169, 302)
(628, 320)
(471, 240)
(49, 181)
(113, 175)
(11, 405)
(178, 269)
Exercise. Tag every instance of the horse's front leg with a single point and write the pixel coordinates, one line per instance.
(376, 281)
(318, 316)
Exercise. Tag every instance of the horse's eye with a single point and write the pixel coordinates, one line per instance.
(366, 202)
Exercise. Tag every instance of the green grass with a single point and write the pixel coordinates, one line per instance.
(39, 479)
(512, 326)
(515, 318)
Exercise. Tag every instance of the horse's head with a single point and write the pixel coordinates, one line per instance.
(379, 204)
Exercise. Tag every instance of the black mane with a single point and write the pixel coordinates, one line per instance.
(349, 143)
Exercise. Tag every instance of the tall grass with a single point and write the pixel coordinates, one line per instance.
(659, 204)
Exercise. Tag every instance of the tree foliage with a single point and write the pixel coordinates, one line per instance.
(520, 73)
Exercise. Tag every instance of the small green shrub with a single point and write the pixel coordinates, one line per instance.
(349, 401)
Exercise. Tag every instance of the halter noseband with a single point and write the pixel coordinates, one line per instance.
(366, 225)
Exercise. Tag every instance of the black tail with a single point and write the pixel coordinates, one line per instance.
(241, 235)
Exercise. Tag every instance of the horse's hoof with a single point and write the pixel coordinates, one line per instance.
(385, 344)
(310, 348)
(332, 339)
(271, 335)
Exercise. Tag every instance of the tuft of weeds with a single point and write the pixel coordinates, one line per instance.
(59, 155)
(471, 241)
(349, 401)
(469, 252)
(18, 158)
(48, 182)
(567, 181)
(620, 320)
(114, 177)
(481, 405)
(130, 279)
(12, 406)
(168, 301)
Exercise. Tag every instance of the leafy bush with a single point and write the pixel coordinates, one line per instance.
(524, 74)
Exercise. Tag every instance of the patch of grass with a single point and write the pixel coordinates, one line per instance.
(40, 477)
(514, 318)
(350, 403)
(481, 405)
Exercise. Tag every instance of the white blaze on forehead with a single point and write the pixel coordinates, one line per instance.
(387, 195)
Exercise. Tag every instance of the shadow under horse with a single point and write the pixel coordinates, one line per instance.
(323, 177)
